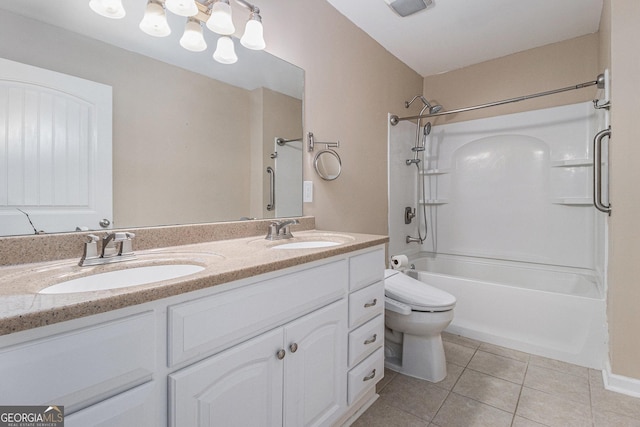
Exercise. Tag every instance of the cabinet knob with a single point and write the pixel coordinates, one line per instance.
(371, 340)
(293, 347)
(372, 303)
(371, 376)
(280, 354)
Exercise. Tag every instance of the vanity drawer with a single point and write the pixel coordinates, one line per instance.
(207, 325)
(366, 269)
(81, 367)
(365, 375)
(365, 339)
(366, 303)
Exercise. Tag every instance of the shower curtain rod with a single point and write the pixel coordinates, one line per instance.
(599, 82)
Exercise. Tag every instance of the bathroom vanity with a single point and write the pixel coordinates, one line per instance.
(260, 337)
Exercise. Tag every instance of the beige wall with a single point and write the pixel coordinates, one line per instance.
(624, 231)
(351, 84)
(536, 70)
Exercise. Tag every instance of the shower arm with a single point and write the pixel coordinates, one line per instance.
(394, 120)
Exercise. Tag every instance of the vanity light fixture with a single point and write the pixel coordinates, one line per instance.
(216, 14)
(108, 8)
(220, 21)
(225, 52)
(182, 7)
(154, 21)
(192, 39)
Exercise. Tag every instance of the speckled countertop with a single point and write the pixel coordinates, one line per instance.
(22, 307)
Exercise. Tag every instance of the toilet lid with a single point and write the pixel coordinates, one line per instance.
(420, 296)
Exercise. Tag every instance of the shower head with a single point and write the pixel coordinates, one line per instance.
(433, 109)
(408, 7)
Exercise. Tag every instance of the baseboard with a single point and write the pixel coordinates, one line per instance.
(619, 383)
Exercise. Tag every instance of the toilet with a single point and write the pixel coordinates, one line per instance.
(415, 316)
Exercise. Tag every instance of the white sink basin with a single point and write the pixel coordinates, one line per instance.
(307, 244)
(123, 278)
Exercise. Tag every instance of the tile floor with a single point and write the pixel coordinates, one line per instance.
(491, 386)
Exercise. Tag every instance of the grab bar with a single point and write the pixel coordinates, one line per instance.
(272, 188)
(597, 171)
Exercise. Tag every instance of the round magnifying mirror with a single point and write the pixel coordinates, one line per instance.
(328, 164)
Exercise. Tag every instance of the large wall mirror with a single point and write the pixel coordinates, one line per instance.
(191, 138)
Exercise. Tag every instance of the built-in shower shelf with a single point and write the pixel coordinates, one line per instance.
(569, 163)
(436, 171)
(431, 202)
(575, 201)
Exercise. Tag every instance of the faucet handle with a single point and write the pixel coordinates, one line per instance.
(91, 238)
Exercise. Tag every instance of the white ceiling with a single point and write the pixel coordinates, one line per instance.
(453, 34)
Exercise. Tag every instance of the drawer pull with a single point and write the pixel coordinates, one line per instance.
(280, 354)
(371, 340)
(372, 303)
(371, 376)
(293, 347)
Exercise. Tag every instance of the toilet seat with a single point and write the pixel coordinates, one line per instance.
(418, 295)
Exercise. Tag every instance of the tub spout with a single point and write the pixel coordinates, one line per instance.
(410, 239)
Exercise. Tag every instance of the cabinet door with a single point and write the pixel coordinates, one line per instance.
(315, 386)
(238, 387)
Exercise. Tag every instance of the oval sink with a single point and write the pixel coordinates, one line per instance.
(123, 278)
(307, 244)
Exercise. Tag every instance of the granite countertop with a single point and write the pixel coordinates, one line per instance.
(223, 261)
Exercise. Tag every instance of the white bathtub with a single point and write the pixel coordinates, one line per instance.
(553, 312)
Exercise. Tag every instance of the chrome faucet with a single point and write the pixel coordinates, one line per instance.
(116, 247)
(280, 229)
(410, 239)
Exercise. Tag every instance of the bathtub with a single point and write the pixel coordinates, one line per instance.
(553, 312)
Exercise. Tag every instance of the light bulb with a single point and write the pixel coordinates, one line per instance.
(225, 52)
(220, 20)
(253, 33)
(154, 22)
(182, 7)
(192, 39)
(108, 8)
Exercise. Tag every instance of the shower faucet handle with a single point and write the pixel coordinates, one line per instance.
(409, 214)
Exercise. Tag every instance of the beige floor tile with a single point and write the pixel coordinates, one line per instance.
(605, 400)
(388, 376)
(458, 354)
(382, 415)
(595, 378)
(610, 419)
(506, 352)
(467, 342)
(552, 410)
(460, 411)
(558, 383)
(498, 366)
(523, 422)
(488, 389)
(557, 365)
(417, 397)
(453, 373)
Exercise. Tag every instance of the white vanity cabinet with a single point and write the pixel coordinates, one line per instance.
(366, 324)
(292, 376)
(295, 347)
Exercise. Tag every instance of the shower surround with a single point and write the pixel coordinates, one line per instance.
(512, 230)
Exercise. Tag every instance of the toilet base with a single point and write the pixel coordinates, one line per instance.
(422, 357)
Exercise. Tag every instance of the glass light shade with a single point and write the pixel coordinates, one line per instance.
(154, 22)
(220, 20)
(192, 39)
(108, 8)
(225, 52)
(182, 7)
(252, 37)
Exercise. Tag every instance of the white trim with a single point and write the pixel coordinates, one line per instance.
(619, 383)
